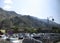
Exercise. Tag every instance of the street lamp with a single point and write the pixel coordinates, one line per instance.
(49, 20)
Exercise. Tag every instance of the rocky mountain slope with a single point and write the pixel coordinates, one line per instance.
(9, 19)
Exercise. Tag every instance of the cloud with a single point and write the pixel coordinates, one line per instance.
(7, 7)
(8, 1)
(7, 4)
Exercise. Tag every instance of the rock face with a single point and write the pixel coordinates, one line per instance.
(9, 19)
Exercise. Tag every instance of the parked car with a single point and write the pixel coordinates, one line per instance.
(3, 36)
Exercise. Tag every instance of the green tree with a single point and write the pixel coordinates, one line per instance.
(56, 29)
(15, 28)
(38, 30)
(30, 30)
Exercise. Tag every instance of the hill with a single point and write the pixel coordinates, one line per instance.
(10, 19)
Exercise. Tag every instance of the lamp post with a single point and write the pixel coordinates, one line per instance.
(48, 21)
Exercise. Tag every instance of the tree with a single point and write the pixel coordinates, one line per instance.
(30, 30)
(38, 30)
(15, 28)
(55, 29)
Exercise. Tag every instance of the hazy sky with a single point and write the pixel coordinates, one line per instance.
(38, 8)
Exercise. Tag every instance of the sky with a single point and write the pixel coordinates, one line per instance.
(38, 8)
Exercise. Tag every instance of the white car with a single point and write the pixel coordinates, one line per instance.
(14, 40)
(3, 37)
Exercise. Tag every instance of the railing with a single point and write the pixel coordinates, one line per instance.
(36, 40)
(31, 40)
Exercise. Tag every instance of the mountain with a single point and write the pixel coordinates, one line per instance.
(9, 19)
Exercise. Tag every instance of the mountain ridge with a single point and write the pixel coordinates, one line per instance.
(8, 19)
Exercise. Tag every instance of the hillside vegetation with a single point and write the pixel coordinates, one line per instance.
(12, 20)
